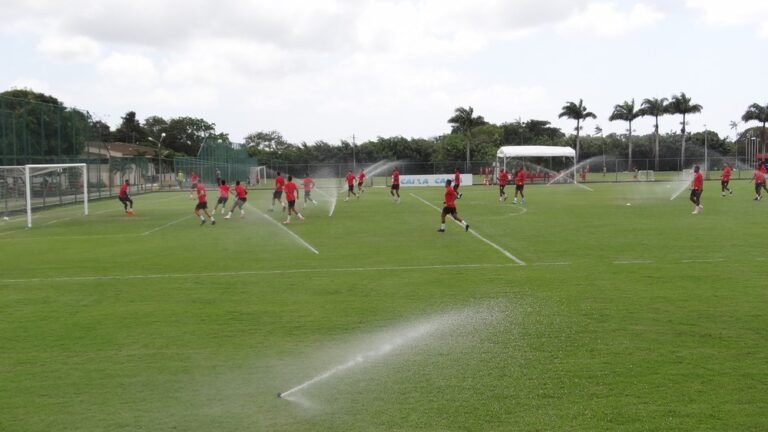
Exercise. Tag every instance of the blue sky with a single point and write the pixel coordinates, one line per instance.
(327, 69)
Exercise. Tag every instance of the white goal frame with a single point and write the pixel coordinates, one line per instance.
(28, 185)
(259, 172)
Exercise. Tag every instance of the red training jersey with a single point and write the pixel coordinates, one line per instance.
(456, 178)
(395, 177)
(350, 179)
(762, 168)
(240, 191)
(503, 178)
(124, 190)
(520, 178)
(223, 191)
(726, 174)
(290, 191)
(450, 197)
(698, 181)
(194, 178)
(361, 177)
(201, 198)
(308, 184)
(759, 177)
(279, 183)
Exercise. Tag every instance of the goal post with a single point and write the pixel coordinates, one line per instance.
(62, 183)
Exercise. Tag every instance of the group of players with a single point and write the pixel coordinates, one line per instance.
(291, 194)
(697, 184)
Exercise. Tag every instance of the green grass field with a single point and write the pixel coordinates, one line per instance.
(631, 318)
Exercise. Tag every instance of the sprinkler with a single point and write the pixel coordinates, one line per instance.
(279, 395)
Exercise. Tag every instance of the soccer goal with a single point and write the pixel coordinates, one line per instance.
(646, 175)
(258, 175)
(47, 186)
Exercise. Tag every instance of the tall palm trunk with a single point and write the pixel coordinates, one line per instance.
(578, 128)
(682, 149)
(657, 143)
(631, 168)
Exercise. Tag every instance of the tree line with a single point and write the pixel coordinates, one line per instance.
(470, 136)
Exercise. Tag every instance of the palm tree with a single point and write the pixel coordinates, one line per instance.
(626, 112)
(654, 107)
(579, 113)
(735, 127)
(463, 122)
(681, 104)
(759, 113)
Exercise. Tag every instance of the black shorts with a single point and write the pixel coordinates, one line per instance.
(351, 187)
(456, 186)
(449, 211)
(724, 183)
(243, 200)
(501, 188)
(307, 195)
(124, 199)
(194, 186)
(277, 195)
(519, 188)
(359, 184)
(222, 200)
(201, 206)
(291, 204)
(695, 195)
(396, 186)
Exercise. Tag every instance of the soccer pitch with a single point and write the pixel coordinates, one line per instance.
(575, 311)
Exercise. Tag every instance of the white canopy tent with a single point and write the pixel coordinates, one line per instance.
(521, 152)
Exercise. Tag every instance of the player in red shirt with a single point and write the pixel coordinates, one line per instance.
(277, 195)
(503, 176)
(223, 196)
(725, 179)
(194, 179)
(351, 185)
(759, 178)
(290, 196)
(450, 207)
(360, 181)
(309, 184)
(697, 187)
(125, 198)
(202, 204)
(241, 194)
(457, 182)
(395, 189)
(519, 185)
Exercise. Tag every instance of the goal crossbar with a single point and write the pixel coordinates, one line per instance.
(50, 168)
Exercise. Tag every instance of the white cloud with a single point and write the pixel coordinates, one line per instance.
(734, 12)
(132, 71)
(604, 19)
(70, 48)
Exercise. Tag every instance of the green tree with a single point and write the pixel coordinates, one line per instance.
(654, 107)
(681, 104)
(187, 135)
(130, 130)
(626, 112)
(462, 122)
(758, 113)
(579, 113)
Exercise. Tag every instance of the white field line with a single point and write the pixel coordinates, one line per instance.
(474, 233)
(82, 237)
(12, 231)
(704, 260)
(280, 225)
(525, 210)
(585, 187)
(633, 262)
(166, 225)
(56, 220)
(552, 264)
(255, 272)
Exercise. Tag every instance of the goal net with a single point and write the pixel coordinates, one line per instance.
(258, 175)
(646, 175)
(26, 190)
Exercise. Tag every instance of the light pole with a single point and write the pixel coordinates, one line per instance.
(706, 161)
(159, 157)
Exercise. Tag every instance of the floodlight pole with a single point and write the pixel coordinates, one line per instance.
(159, 157)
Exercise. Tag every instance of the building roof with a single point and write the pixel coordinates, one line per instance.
(534, 151)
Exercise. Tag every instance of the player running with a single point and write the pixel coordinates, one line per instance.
(309, 184)
(725, 179)
(193, 179)
(395, 189)
(202, 204)
(241, 193)
(223, 196)
(360, 182)
(277, 195)
(457, 182)
(502, 184)
(290, 196)
(519, 185)
(125, 198)
(697, 187)
(450, 208)
(351, 185)
(759, 178)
